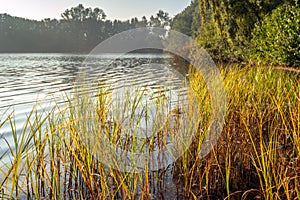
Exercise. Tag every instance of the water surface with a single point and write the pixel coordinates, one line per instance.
(28, 79)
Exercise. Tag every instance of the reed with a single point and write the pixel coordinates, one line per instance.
(257, 155)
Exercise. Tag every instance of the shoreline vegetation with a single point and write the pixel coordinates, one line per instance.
(258, 153)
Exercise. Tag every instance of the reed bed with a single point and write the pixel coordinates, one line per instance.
(256, 157)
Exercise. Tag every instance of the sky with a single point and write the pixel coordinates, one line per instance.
(114, 9)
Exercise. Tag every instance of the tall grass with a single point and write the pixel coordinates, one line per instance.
(257, 155)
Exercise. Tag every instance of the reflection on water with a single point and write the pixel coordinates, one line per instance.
(23, 77)
(28, 78)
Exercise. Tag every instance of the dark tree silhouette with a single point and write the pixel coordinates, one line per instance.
(79, 30)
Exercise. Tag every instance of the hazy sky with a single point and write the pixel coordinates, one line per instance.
(114, 9)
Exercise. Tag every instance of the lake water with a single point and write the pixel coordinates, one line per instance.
(26, 79)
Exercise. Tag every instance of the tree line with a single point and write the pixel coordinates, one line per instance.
(79, 30)
(244, 30)
(230, 30)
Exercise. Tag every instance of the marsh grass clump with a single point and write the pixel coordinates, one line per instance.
(257, 155)
(61, 154)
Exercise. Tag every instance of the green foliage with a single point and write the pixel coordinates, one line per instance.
(224, 27)
(183, 22)
(278, 40)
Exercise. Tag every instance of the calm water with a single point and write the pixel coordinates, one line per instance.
(26, 79)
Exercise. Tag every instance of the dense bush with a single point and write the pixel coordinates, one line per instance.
(277, 41)
(236, 31)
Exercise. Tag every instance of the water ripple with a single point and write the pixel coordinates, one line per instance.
(28, 78)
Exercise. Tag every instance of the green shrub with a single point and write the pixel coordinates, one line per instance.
(277, 41)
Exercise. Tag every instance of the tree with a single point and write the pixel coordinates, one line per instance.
(80, 13)
(144, 22)
(161, 20)
(277, 40)
(98, 14)
(226, 25)
(183, 22)
(80, 30)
